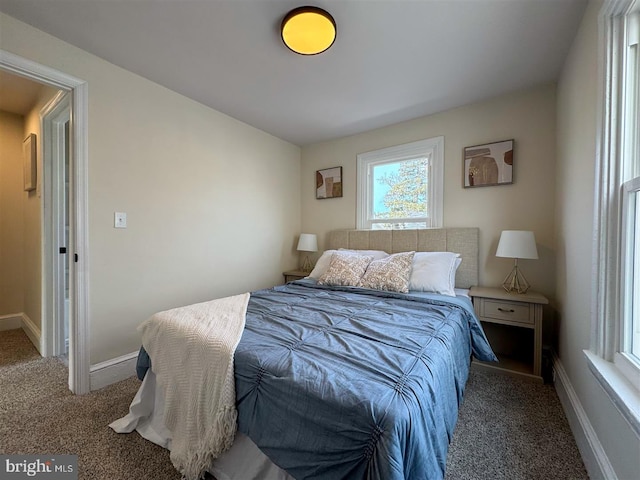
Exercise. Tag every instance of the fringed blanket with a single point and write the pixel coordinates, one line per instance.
(191, 350)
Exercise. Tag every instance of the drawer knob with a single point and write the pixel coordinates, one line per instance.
(511, 310)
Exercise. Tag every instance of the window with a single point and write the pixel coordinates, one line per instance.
(630, 218)
(630, 332)
(401, 187)
(614, 355)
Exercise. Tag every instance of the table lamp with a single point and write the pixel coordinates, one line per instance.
(308, 242)
(516, 244)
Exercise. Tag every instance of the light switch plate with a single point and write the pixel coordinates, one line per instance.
(120, 220)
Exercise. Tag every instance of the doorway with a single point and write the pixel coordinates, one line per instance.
(75, 263)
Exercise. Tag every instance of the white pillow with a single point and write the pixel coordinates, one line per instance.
(325, 259)
(376, 254)
(322, 264)
(455, 269)
(434, 272)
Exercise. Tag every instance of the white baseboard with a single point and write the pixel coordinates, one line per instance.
(593, 454)
(10, 322)
(32, 332)
(112, 371)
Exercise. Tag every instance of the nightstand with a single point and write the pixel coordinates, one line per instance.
(292, 275)
(513, 325)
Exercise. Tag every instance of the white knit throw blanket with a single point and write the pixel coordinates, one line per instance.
(191, 350)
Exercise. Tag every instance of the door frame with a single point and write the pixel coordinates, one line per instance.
(79, 360)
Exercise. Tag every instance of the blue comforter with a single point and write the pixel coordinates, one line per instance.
(346, 383)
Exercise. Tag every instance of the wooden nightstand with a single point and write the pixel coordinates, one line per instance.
(513, 325)
(292, 275)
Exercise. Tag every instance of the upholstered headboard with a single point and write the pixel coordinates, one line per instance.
(459, 240)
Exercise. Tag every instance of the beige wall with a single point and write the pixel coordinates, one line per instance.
(20, 215)
(11, 213)
(213, 204)
(32, 218)
(577, 110)
(527, 117)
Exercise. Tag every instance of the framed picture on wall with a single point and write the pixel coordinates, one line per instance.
(488, 164)
(29, 162)
(329, 183)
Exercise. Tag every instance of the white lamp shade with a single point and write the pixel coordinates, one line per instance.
(308, 242)
(517, 244)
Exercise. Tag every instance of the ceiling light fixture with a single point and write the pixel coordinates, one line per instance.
(308, 30)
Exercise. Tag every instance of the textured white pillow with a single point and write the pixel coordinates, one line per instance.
(390, 273)
(322, 264)
(325, 259)
(455, 269)
(345, 269)
(376, 254)
(434, 272)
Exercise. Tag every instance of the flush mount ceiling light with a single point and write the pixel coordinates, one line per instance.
(308, 30)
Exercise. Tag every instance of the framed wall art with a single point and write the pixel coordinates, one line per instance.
(329, 183)
(488, 164)
(29, 162)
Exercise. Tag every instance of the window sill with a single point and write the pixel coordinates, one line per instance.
(625, 396)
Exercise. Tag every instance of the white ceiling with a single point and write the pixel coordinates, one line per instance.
(393, 60)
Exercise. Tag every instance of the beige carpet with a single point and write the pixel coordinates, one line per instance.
(38, 414)
(507, 429)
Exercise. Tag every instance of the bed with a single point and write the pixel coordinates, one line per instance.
(340, 381)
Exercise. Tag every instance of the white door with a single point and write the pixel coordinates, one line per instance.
(56, 117)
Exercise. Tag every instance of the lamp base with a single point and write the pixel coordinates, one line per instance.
(307, 266)
(515, 281)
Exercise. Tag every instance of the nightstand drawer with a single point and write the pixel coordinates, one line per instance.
(503, 310)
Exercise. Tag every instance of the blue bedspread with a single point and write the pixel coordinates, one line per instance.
(345, 383)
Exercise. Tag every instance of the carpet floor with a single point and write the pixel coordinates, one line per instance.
(507, 428)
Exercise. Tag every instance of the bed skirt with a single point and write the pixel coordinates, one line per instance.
(244, 459)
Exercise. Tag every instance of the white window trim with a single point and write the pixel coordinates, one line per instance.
(433, 148)
(619, 378)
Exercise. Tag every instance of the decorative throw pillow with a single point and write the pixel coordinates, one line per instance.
(325, 259)
(345, 269)
(434, 272)
(391, 273)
